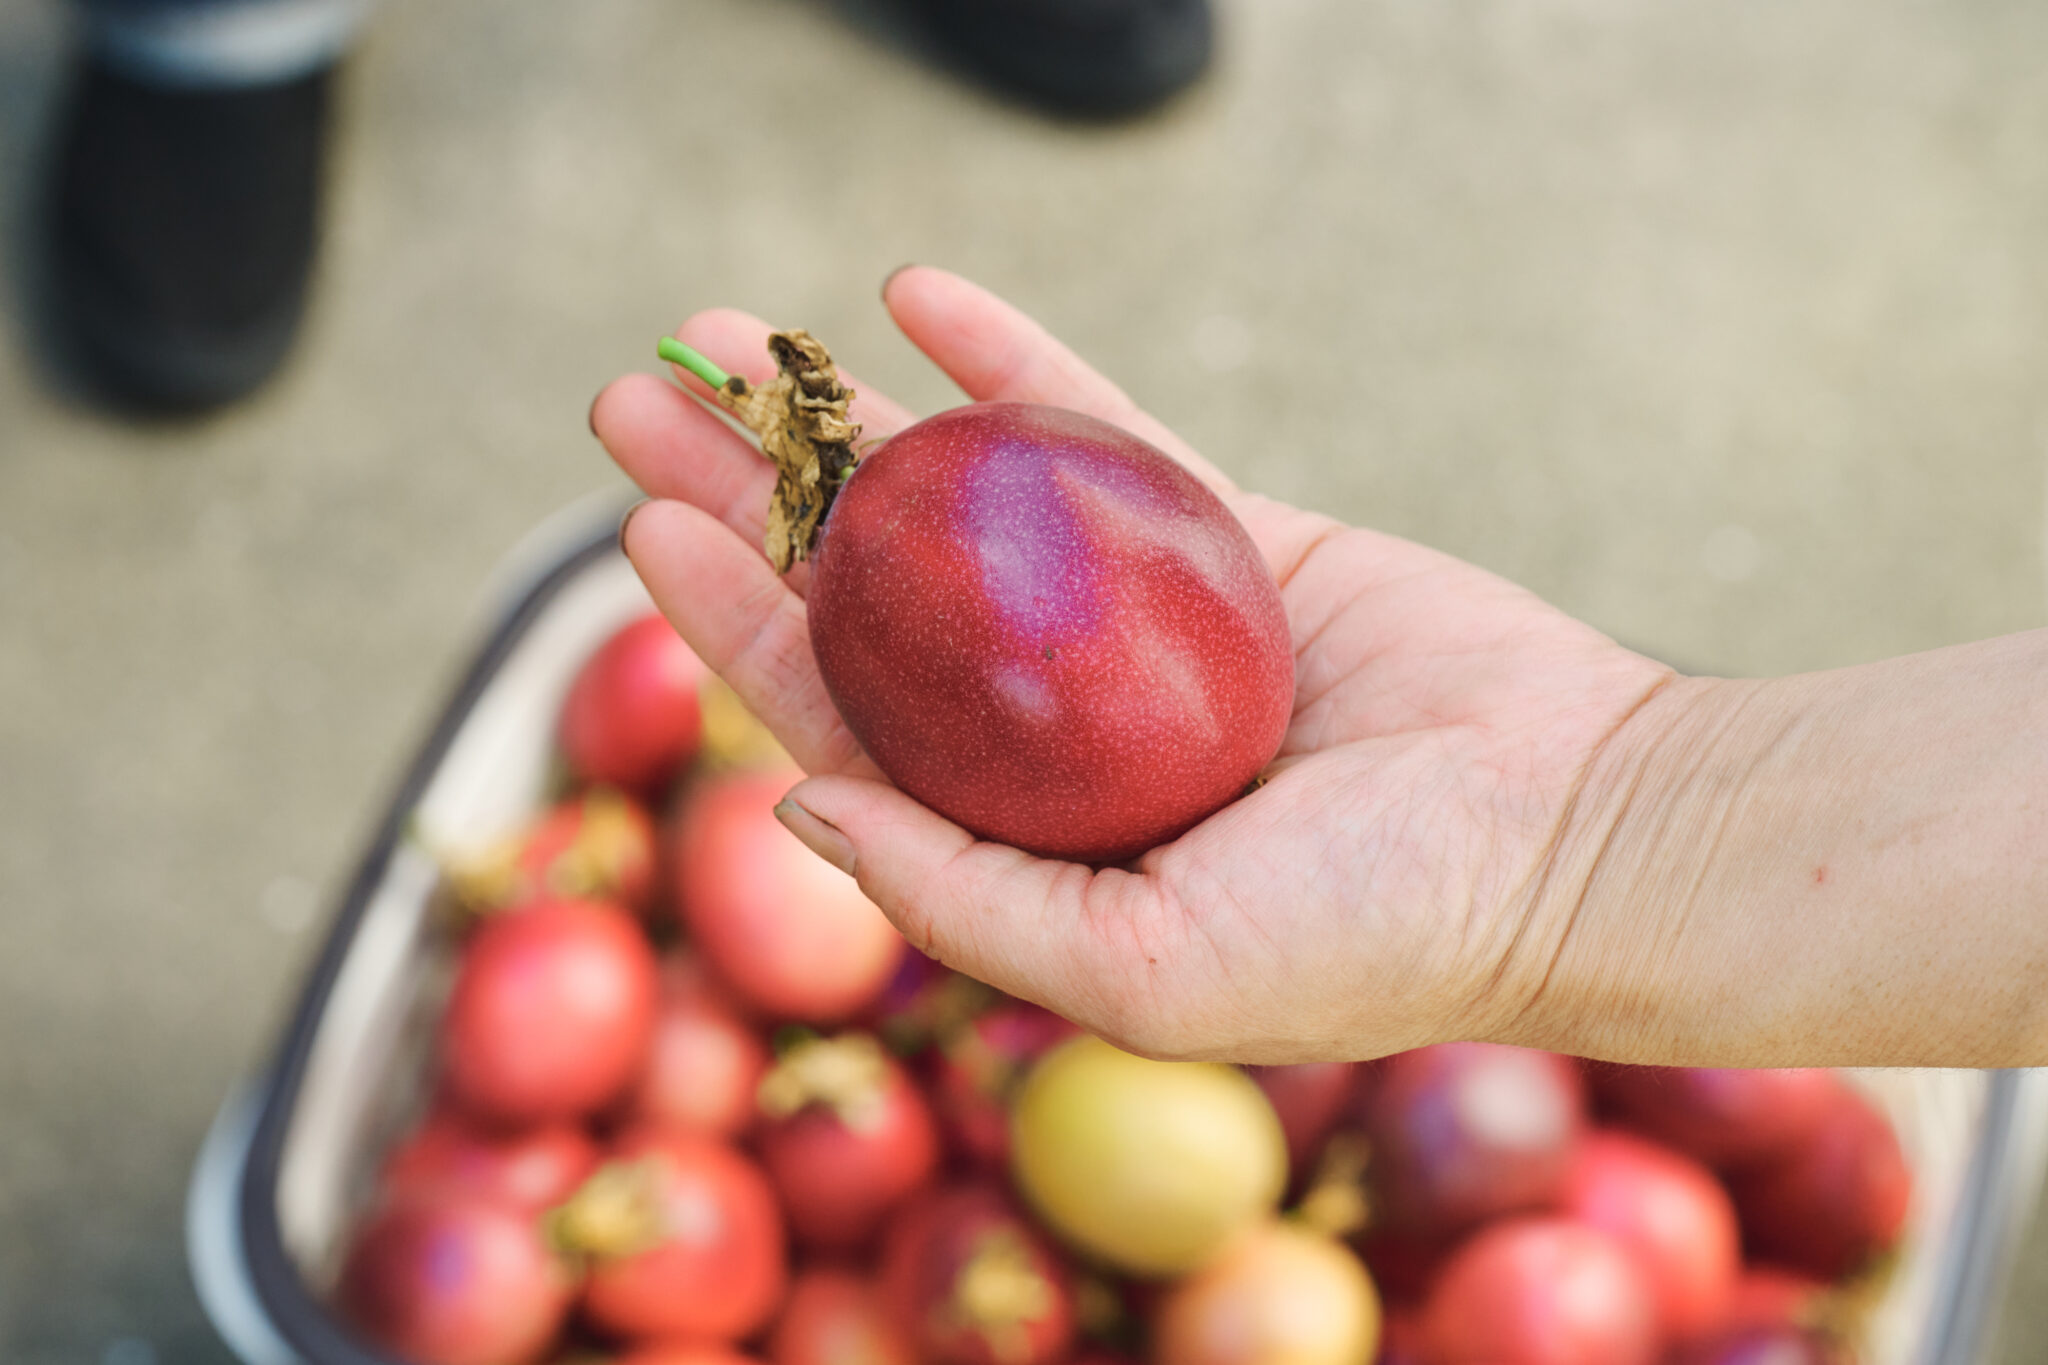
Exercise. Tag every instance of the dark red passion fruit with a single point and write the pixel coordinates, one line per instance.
(972, 1282)
(1049, 632)
(1836, 1203)
(1462, 1133)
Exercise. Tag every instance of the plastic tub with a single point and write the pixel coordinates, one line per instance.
(290, 1155)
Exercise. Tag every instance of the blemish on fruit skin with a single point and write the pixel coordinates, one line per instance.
(1025, 696)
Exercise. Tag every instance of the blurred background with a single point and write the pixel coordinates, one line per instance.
(1723, 326)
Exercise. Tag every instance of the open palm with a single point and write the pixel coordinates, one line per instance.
(1389, 885)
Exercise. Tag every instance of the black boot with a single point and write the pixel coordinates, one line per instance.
(181, 229)
(1094, 58)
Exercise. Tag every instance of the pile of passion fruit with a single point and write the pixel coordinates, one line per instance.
(695, 1103)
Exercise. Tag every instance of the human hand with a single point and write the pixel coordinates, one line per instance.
(1395, 882)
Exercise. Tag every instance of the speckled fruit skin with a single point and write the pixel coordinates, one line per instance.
(1049, 632)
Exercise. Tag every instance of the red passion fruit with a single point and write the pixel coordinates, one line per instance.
(705, 1063)
(1464, 1132)
(1835, 1203)
(597, 845)
(977, 1069)
(1672, 1214)
(680, 1353)
(632, 718)
(973, 1283)
(1541, 1291)
(1311, 1099)
(683, 1236)
(835, 1317)
(791, 934)
(845, 1137)
(1049, 631)
(1779, 1345)
(455, 1281)
(551, 1012)
(1727, 1117)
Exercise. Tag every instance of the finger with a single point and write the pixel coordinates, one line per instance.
(674, 447)
(996, 353)
(1029, 926)
(738, 342)
(745, 623)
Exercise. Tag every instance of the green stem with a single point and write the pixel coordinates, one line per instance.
(676, 353)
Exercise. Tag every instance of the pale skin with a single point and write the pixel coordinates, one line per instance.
(1487, 820)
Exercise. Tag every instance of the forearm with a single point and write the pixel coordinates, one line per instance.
(1838, 868)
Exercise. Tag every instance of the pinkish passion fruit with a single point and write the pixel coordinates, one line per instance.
(1037, 624)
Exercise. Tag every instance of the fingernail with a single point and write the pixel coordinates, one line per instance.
(590, 417)
(819, 836)
(891, 279)
(627, 520)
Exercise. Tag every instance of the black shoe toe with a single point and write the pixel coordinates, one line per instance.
(181, 230)
(1093, 58)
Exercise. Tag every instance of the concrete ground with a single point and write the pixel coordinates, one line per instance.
(1722, 325)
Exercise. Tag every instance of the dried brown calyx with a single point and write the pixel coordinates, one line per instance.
(1336, 1202)
(802, 419)
(1000, 1293)
(848, 1075)
(616, 1212)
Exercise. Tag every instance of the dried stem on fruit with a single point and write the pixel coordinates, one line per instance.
(1335, 1202)
(588, 867)
(802, 419)
(848, 1075)
(1000, 1292)
(617, 1212)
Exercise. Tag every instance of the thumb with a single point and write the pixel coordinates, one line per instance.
(1028, 926)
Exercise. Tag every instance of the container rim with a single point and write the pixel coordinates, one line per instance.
(302, 1320)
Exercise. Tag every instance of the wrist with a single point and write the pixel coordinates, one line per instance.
(1842, 868)
(1608, 962)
